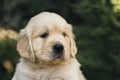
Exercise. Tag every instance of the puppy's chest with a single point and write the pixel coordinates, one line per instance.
(43, 75)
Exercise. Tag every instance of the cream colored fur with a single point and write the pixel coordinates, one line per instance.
(35, 45)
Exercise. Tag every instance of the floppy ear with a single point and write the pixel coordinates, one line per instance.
(73, 48)
(24, 46)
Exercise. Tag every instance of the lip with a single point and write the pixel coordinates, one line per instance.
(56, 57)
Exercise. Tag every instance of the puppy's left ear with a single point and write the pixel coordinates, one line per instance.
(73, 48)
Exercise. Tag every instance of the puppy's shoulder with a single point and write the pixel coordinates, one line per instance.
(68, 71)
(24, 66)
(73, 64)
(73, 71)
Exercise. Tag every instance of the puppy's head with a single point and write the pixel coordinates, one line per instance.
(47, 38)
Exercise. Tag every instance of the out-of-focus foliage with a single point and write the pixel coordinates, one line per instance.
(16, 13)
(98, 51)
(96, 27)
(8, 58)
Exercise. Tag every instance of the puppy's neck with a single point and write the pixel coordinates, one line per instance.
(32, 64)
(42, 65)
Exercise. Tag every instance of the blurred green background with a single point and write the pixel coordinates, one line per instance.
(96, 25)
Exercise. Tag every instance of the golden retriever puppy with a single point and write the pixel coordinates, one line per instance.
(47, 50)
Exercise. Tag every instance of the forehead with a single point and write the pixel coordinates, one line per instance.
(50, 29)
(47, 22)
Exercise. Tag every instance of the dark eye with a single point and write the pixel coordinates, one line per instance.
(44, 35)
(64, 34)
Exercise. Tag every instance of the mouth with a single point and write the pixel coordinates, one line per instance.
(58, 56)
(53, 58)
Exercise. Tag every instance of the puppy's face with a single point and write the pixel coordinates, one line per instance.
(47, 38)
(52, 43)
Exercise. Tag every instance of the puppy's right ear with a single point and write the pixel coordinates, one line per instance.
(24, 46)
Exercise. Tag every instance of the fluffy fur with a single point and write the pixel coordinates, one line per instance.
(39, 60)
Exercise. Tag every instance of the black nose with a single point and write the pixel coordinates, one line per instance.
(58, 48)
